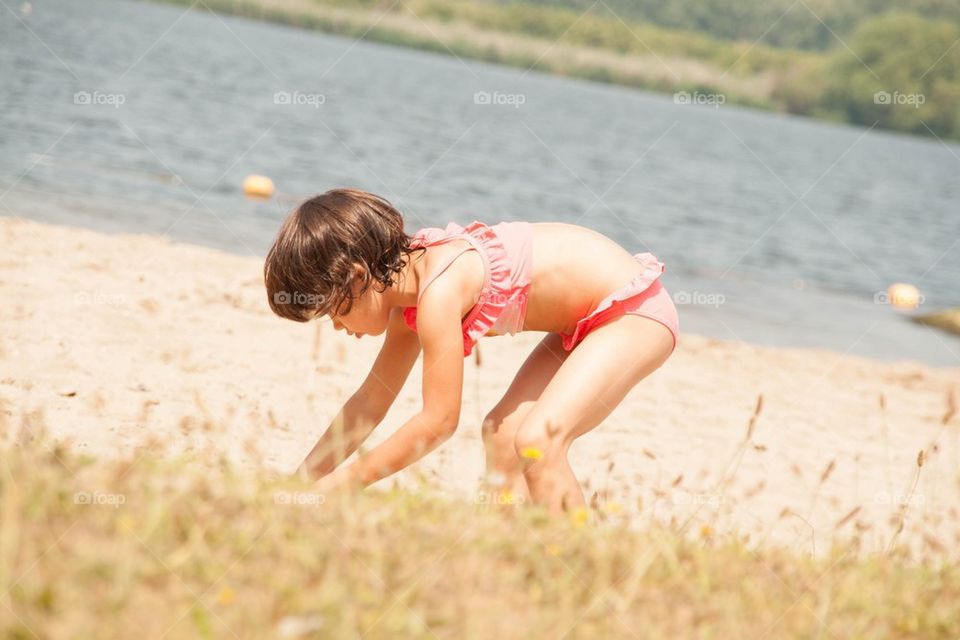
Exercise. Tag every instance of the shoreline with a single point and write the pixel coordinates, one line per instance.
(690, 281)
(119, 340)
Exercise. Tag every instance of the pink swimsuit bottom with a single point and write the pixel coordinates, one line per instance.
(643, 296)
(506, 249)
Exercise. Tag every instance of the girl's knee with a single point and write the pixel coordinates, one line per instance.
(538, 437)
(498, 443)
(491, 426)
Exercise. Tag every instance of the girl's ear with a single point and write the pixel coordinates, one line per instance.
(359, 272)
(358, 276)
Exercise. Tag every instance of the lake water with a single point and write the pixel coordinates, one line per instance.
(124, 116)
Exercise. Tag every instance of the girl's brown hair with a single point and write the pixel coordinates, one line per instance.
(310, 269)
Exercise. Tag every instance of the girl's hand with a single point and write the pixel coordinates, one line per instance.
(340, 480)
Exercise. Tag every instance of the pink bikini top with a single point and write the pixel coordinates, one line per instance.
(507, 252)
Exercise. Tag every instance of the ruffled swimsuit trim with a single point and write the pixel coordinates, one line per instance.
(652, 268)
(496, 293)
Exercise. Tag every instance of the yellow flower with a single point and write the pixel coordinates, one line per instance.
(226, 596)
(706, 531)
(531, 453)
(579, 516)
(554, 549)
(614, 507)
(123, 524)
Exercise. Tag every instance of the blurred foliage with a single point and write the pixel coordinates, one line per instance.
(800, 24)
(905, 76)
(603, 30)
(947, 319)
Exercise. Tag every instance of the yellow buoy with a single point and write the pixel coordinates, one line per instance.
(258, 186)
(901, 295)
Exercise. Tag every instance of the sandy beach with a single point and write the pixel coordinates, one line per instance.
(116, 341)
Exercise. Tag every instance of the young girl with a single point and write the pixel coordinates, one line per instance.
(609, 323)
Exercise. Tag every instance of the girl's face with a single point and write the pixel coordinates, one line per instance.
(369, 315)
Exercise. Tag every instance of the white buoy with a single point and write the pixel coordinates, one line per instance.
(901, 295)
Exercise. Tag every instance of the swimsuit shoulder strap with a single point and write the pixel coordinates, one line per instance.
(441, 269)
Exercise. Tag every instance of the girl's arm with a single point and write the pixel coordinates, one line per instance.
(440, 332)
(360, 415)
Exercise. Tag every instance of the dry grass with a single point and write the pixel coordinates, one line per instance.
(184, 548)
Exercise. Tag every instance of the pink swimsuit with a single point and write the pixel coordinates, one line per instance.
(507, 252)
(506, 249)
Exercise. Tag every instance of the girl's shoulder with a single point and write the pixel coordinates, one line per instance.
(477, 232)
(427, 236)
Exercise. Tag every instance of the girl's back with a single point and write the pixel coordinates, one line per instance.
(563, 271)
(574, 268)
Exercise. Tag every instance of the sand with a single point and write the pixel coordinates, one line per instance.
(124, 344)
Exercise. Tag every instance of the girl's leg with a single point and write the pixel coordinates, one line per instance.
(502, 422)
(593, 380)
